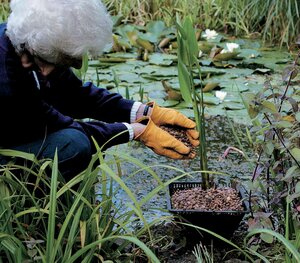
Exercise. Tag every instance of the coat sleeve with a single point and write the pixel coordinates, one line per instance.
(78, 100)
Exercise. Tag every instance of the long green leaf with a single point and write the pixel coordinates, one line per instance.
(184, 81)
(134, 240)
(191, 39)
(52, 212)
(288, 245)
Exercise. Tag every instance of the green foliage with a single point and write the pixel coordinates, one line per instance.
(45, 219)
(274, 111)
(276, 21)
(187, 60)
(4, 10)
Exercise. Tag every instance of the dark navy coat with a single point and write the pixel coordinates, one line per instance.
(32, 106)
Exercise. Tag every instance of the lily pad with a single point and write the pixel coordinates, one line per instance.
(162, 59)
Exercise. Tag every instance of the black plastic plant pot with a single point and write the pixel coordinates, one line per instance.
(223, 223)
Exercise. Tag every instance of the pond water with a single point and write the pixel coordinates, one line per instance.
(220, 136)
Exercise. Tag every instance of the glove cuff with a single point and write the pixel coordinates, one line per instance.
(143, 120)
(154, 106)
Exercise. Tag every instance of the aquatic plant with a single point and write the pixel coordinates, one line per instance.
(187, 53)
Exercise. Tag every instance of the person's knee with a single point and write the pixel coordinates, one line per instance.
(76, 145)
(74, 152)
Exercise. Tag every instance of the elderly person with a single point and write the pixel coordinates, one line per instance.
(42, 101)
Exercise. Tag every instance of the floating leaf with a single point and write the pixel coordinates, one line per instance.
(233, 106)
(210, 86)
(225, 56)
(145, 44)
(205, 46)
(155, 30)
(161, 59)
(262, 71)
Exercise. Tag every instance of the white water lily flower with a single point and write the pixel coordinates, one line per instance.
(230, 47)
(210, 34)
(221, 95)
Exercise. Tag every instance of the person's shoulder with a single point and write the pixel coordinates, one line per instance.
(4, 40)
(2, 28)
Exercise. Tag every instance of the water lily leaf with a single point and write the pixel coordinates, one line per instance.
(123, 55)
(162, 59)
(132, 37)
(233, 106)
(270, 58)
(225, 56)
(209, 98)
(249, 53)
(206, 62)
(205, 46)
(169, 103)
(156, 30)
(210, 86)
(129, 77)
(213, 110)
(120, 44)
(210, 71)
(145, 44)
(112, 60)
(239, 116)
(151, 71)
(262, 71)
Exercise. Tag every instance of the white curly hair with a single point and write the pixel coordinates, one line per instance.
(53, 29)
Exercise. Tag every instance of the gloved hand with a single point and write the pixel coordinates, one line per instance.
(161, 142)
(163, 116)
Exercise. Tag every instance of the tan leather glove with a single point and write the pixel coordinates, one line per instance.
(161, 142)
(165, 116)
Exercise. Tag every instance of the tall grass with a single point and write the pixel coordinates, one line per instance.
(44, 219)
(278, 22)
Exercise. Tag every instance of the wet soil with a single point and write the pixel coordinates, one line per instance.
(219, 199)
(180, 134)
